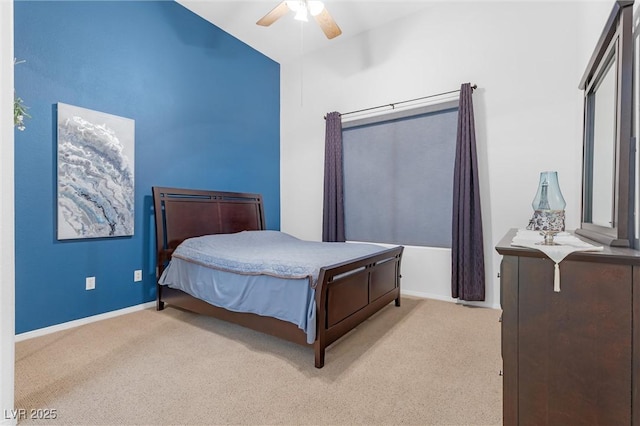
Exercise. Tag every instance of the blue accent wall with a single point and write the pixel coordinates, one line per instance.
(207, 111)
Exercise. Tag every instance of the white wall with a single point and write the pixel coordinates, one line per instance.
(527, 59)
(7, 274)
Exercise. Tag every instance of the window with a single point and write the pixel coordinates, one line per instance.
(398, 176)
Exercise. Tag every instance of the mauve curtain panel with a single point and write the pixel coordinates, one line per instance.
(467, 253)
(333, 211)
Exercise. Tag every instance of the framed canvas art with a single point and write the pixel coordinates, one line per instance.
(95, 174)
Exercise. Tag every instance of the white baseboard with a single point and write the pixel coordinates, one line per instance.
(447, 299)
(82, 321)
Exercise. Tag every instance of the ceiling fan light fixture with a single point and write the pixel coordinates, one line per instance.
(301, 14)
(315, 7)
(302, 9)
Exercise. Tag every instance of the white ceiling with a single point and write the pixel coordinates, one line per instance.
(287, 38)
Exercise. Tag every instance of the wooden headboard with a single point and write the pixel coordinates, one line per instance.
(185, 213)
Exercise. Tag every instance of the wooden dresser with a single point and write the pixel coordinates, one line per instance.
(573, 357)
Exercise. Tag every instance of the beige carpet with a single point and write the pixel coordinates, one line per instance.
(427, 362)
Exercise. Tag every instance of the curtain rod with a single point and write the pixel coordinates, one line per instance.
(393, 105)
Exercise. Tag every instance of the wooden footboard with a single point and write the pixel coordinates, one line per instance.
(350, 292)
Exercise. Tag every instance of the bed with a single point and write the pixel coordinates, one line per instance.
(341, 293)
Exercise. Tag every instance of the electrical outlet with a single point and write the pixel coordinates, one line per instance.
(137, 275)
(90, 283)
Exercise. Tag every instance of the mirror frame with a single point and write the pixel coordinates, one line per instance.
(616, 39)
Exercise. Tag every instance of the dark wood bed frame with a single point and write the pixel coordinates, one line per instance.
(346, 294)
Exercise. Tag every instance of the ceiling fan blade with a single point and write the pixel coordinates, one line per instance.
(271, 17)
(328, 25)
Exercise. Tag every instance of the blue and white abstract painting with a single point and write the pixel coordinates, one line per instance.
(95, 174)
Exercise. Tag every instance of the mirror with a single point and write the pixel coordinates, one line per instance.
(608, 163)
(600, 150)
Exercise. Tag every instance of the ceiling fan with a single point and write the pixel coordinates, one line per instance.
(302, 9)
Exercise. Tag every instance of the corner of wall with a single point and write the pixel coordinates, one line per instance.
(7, 241)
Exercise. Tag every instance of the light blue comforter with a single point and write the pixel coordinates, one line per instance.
(271, 253)
(268, 273)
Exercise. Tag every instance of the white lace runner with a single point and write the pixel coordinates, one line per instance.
(567, 244)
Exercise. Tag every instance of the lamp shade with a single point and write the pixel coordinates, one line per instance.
(548, 196)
